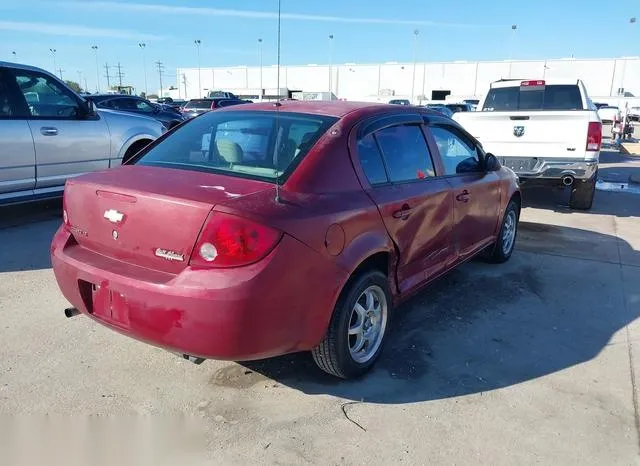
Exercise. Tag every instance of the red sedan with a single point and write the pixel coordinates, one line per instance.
(265, 229)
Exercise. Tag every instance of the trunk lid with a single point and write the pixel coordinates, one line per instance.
(147, 216)
(557, 134)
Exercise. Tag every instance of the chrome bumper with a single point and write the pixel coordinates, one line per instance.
(551, 169)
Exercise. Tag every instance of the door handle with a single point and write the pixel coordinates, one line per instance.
(48, 131)
(463, 196)
(403, 213)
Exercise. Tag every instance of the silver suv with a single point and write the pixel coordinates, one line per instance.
(48, 133)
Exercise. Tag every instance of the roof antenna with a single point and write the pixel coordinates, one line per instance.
(278, 105)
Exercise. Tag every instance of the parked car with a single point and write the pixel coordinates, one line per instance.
(546, 131)
(599, 105)
(48, 134)
(169, 102)
(222, 95)
(609, 114)
(195, 107)
(455, 108)
(300, 228)
(166, 115)
(400, 102)
(440, 108)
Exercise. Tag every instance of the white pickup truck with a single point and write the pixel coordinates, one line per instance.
(547, 131)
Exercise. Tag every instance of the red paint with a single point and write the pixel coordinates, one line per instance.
(282, 264)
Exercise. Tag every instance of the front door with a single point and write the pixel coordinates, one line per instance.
(17, 156)
(66, 143)
(415, 205)
(476, 192)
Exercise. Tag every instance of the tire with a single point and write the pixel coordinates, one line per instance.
(134, 149)
(582, 193)
(337, 353)
(503, 248)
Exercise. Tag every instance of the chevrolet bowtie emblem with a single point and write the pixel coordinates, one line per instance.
(114, 216)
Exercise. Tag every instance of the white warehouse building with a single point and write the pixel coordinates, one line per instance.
(612, 77)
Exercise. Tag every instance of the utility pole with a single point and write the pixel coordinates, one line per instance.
(80, 79)
(106, 70)
(120, 74)
(330, 66)
(160, 68)
(260, 53)
(184, 83)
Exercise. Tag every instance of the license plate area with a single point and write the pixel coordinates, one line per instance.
(520, 164)
(105, 303)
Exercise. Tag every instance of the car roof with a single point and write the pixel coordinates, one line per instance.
(19, 66)
(336, 108)
(511, 82)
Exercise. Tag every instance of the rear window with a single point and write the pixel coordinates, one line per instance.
(198, 104)
(551, 97)
(251, 144)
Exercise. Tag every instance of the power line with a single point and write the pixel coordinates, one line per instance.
(160, 68)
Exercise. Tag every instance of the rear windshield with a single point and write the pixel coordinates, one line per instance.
(247, 144)
(198, 104)
(552, 97)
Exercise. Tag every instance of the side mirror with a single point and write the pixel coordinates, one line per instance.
(491, 163)
(88, 109)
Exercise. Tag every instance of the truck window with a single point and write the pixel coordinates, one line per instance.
(551, 97)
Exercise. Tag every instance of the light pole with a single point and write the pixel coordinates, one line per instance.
(80, 79)
(416, 33)
(330, 66)
(53, 54)
(198, 42)
(95, 50)
(142, 45)
(260, 53)
(14, 55)
(514, 28)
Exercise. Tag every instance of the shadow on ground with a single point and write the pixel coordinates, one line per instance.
(25, 235)
(482, 327)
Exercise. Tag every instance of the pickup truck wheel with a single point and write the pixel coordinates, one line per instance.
(503, 247)
(582, 193)
(357, 328)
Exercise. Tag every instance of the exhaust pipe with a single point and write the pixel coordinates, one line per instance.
(567, 180)
(71, 312)
(197, 361)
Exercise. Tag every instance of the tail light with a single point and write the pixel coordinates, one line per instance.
(213, 105)
(231, 241)
(65, 215)
(535, 83)
(594, 136)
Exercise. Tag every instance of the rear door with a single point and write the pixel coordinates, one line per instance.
(17, 155)
(66, 143)
(415, 205)
(530, 120)
(476, 192)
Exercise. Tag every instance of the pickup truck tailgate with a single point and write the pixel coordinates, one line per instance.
(558, 134)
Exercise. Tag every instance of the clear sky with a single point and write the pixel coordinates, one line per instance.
(364, 31)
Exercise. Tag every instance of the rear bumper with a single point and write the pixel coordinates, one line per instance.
(252, 312)
(541, 168)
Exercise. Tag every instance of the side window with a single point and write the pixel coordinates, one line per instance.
(458, 154)
(371, 160)
(406, 153)
(142, 106)
(125, 104)
(12, 103)
(46, 97)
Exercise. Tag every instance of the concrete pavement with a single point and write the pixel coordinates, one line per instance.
(532, 362)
